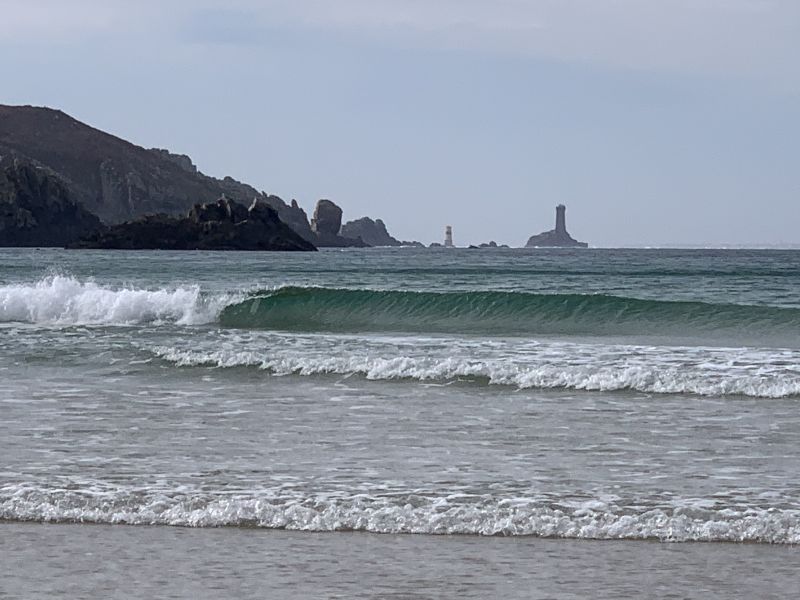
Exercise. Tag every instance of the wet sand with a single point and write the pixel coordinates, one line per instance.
(102, 561)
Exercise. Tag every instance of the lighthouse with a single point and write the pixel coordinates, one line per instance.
(448, 237)
(561, 219)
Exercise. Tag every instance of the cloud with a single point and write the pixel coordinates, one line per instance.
(43, 21)
(729, 36)
(753, 38)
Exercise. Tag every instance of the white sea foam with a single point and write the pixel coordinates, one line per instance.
(709, 372)
(439, 516)
(61, 300)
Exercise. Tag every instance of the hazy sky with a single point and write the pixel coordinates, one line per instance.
(655, 121)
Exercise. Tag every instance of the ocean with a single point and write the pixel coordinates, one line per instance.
(401, 423)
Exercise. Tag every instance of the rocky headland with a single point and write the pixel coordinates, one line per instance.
(119, 181)
(557, 237)
(220, 225)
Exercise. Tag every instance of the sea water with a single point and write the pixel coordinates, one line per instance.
(522, 395)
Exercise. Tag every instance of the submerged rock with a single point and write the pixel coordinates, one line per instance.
(557, 237)
(36, 208)
(220, 225)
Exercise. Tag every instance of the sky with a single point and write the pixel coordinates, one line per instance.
(657, 122)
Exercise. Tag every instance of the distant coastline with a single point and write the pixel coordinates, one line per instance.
(65, 183)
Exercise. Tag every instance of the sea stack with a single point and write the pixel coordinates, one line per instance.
(558, 237)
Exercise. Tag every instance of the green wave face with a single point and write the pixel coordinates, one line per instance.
(499, 313)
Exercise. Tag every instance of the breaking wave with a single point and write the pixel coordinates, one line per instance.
(442, 515)
(62, 300)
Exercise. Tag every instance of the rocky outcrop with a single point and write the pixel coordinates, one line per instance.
(327, 218)
(294, 216)
(36, 208)
(220, 225)
(374, 233)
(557, 237)
(183, 161)
(490, 244)
(371, 232)
(326, 224)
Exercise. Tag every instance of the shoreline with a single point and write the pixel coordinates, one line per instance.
(4, 522)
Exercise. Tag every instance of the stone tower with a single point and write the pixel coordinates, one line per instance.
(448, 236)
(558, 237)
(561, 219)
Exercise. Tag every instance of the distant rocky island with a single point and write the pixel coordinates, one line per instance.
(557, 237)
(373, 233)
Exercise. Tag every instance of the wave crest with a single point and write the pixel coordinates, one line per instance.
(509, 313)
(432, 515)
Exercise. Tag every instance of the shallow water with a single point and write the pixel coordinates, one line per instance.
(147, 562)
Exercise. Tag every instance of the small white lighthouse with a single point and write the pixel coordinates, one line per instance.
(448, 237)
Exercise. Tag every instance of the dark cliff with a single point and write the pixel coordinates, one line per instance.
(36, 208)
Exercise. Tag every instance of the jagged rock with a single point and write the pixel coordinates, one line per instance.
(436, 245)
(491, 244)
(36, 208)
(412, 244)
(220, 225)
(557, 237)
(221, 210)
(183, 161)
(326, 224)
(259, 210)
(371, 232)
(294, 216)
